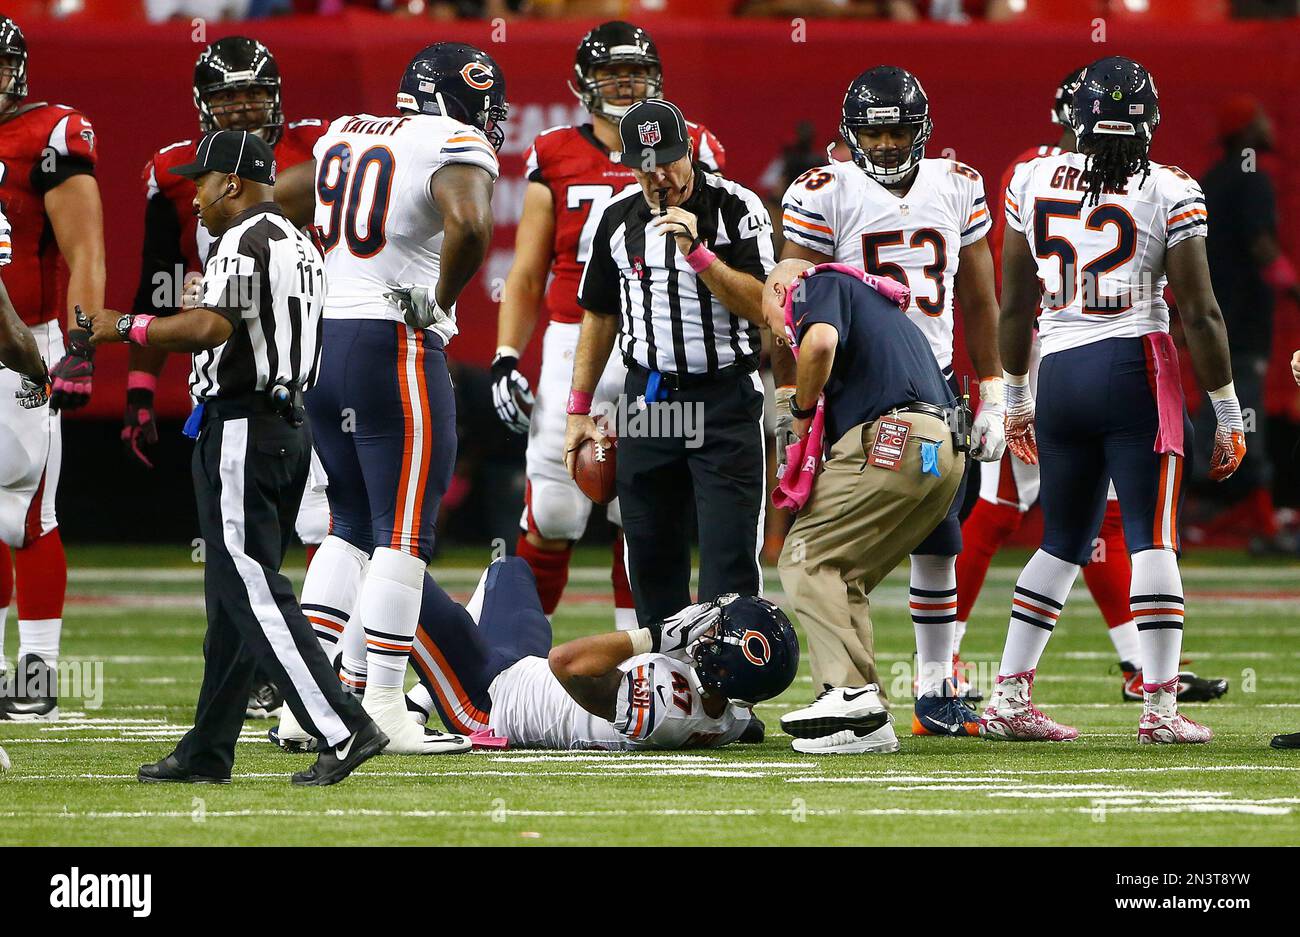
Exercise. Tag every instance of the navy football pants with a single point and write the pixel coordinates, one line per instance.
(1097, 421)
(384, 420)
(457, 660)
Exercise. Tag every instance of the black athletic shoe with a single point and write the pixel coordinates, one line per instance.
(31, 692)
(169, 770)
(1191, 688)
(753, 732)
(336, 763)
(264, 701)
(1286, 741)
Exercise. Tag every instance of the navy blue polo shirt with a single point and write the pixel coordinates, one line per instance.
(882, 359)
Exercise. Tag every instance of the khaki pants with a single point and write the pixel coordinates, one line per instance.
(858, 525)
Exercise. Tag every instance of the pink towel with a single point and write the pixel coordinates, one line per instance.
(803, 458)
(1167, 380)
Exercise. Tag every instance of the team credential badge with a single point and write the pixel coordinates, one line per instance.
(649, 132)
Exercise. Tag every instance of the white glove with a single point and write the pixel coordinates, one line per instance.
(988, 435)
(33, 392)
(1019, 422)
(421, 311)
(511, 394)
(676, 634)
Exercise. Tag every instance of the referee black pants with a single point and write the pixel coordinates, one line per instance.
(713, 459)
(250, 469)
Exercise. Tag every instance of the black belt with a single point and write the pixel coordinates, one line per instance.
(926, 409)
(674, 381)
(288, 406)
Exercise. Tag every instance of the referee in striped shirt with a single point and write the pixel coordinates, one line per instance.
(254, 329)
(675, 278)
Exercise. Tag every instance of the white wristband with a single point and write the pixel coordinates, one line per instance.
(1015, 380)
(643, 641)
(992, 391)
(1226, 392)
(505, 351)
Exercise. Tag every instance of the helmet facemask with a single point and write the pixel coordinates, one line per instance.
(13, 77)
(226, 115)
(911, 155)
(595, 93)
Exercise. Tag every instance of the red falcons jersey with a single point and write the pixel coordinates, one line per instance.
(1000, 216)
(173, 236)
(583, 176)
(40, 147)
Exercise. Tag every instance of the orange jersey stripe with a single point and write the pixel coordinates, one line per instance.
(1157, 536)
(976, 215)
(1187, 214)
(786, 216)
(386, 646)
(421, 394)
(928, 607)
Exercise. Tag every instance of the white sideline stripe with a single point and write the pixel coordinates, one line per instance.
(232, 459)
(188, 815)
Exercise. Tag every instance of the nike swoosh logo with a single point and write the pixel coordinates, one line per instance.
(341, 752)
(852, 696)
(661, 695)
(950, 729)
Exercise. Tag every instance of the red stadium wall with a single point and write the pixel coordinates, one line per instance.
(751, 82)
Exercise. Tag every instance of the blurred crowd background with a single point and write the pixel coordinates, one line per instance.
(950, 11)
(1227, 72)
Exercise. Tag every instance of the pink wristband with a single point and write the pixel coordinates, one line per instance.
(700, 258)
(142, 380)
(579, 402)
(139, 333)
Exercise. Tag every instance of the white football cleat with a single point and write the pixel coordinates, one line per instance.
(851, 741)
(387, 706)
(291, 736)
(1012, 717)
(1162, 723)
(836, 709)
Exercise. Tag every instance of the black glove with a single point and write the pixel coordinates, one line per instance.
(72, 375)
(140, 425)
(511, 394)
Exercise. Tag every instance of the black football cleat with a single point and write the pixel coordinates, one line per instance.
(1191, 688)
(264, 700)
(171, 771)
(753, 733)
(31, 692)
(336, 763)
(1286, 741)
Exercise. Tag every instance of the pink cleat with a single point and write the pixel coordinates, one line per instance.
(1162, 723)
(1011, 715)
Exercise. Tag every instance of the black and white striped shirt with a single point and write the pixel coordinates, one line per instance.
(669, 319)
(268, 279)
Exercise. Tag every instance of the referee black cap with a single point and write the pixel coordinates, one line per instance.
(653, 126)
(245, 154)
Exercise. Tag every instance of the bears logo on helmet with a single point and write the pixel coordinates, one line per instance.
(752, 655)
(458, 81)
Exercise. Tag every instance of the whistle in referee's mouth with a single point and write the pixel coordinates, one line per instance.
(663, 200)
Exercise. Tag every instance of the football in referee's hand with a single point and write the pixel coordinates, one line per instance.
(594, 471)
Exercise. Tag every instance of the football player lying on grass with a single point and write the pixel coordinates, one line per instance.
(687, 682)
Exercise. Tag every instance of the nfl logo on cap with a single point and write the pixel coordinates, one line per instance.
(649, 132)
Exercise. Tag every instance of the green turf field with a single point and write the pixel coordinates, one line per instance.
(138, 613)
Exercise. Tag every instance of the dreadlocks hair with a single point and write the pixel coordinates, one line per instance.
(1111, 161)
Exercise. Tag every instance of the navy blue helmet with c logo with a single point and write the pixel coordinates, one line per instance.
(886, 96)
(753, 654)
(459, 81)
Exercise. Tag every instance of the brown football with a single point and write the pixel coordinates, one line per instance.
(594, 471)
